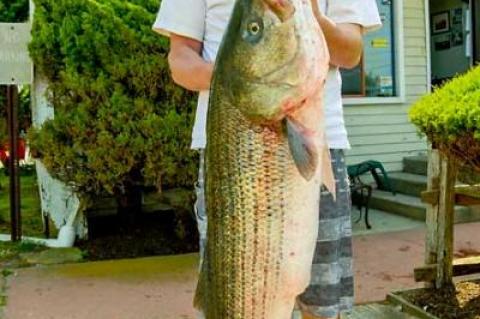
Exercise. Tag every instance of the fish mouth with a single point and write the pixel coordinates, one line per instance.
(283, 9)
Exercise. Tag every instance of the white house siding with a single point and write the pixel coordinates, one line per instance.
(382, 131)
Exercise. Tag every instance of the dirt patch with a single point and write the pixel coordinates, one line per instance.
(404, 248)
(459, 302)
(154, 234)
(386, 277)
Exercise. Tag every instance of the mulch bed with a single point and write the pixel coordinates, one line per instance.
(459, 302)
(153, 234)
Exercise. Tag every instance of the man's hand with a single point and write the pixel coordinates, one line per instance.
(344, 40)
(188, 68)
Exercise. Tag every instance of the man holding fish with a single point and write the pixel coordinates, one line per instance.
(274, 98)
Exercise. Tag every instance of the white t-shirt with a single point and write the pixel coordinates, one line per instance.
(206, 21)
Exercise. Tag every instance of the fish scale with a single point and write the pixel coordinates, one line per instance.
(262, 209)
(249, 237)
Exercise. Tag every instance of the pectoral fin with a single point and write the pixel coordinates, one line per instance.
(303, 149)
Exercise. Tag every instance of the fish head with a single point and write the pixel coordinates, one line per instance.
(264, 62)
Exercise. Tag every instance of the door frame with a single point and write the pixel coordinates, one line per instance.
(474, 6)
(474, 30)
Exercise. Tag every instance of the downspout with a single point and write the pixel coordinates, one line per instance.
(66, 235)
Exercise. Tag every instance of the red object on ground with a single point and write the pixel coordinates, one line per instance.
(3, 155)
(4, 150)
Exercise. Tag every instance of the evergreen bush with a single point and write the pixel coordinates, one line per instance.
(119, 121)
(14, 10)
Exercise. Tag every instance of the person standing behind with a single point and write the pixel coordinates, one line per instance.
(196, 28)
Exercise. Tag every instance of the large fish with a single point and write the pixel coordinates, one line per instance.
(265, 158)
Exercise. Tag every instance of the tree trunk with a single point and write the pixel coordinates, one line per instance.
(129, 206)
(130, 203)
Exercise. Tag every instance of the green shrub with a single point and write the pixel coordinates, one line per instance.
(452, 110)
(450, 117)
(119, 120)
(14, 10)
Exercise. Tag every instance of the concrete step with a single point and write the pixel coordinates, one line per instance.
(412, 207)
(416, 164)
(408, 183)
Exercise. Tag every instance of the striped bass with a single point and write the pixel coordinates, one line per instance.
(265, 161)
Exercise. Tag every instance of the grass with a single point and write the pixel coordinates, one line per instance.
(30, 208)
(9, 250)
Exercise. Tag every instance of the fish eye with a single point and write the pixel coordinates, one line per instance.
(253, 28)
(253, 31)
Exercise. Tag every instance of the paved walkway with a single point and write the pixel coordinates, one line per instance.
(383, 222)
(147, 288)
(163, 287)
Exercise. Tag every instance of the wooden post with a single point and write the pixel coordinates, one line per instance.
(431, 242)
(14, 170)
(446, 209)
(440, 217)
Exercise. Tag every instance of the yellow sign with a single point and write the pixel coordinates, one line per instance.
(379, 43)
(16, 66)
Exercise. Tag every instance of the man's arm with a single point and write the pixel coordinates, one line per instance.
(344, 40)
(188, 68)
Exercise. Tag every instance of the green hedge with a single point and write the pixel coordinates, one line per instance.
(450, 118)
(451, 111)
(14, 10)
(117, 113)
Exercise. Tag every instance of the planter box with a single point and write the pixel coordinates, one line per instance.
(407, 306)
(459, 302)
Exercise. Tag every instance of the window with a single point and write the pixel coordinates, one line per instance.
(375, 75)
